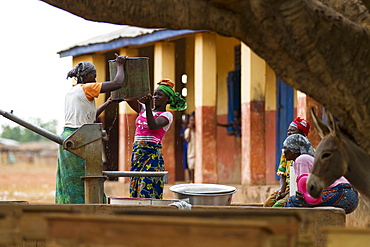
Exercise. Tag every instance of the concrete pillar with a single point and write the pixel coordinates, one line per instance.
(270, 126)
(205, 108)
(164, 67)
(253, 80)
(164, 61)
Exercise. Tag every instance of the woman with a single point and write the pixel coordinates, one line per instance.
(189, 136)
(278, 198)
(340, 194)
(80, 109)
(151, 126)
(183, 127)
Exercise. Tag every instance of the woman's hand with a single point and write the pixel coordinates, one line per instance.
(299, 195)
(281, 195)
(120, 60)
(110, 101)
(146, 99)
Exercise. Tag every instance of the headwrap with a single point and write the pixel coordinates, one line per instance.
(177, 103)
(81, 69)
(301, 124)
(298, 144)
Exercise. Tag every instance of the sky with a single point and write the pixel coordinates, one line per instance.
(33, 76)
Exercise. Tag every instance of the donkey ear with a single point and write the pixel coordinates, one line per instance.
(334, 129)
(321, 127)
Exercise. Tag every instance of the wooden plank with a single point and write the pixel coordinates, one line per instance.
(155, 231)
(286, 225)
(292, 226)
(312, 221)
(343, 237)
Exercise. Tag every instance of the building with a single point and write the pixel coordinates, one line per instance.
(218, 75)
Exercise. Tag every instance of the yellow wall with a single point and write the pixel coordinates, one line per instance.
(225, 63)
(189, 70)
(164, 61)
(205, 69)
(270, 99)
(253, 75)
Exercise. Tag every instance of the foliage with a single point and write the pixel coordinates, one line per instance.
(22, 134)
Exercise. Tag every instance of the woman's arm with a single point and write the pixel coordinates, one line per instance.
(282, 193)
(153, 124)
(118, 80)
(101, 108)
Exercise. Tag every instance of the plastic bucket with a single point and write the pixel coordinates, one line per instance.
(136, 83)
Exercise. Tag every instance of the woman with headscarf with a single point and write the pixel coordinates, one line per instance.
(151, 126)
(278, 198)
(340, 194)
(80, 109)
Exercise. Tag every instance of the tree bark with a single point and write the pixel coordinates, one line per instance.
(318, 47)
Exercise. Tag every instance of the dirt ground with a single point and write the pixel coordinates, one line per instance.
(36, 185)
(27, 182)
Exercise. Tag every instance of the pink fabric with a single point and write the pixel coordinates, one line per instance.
(143, 133)
(303, 164)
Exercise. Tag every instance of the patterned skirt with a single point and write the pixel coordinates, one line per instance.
(341, 196)
(147, 156)
(272, 202)
(69, 186)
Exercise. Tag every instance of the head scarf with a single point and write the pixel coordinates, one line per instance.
(81, 69)
(301, 124)
(298, 144)
(177, 103)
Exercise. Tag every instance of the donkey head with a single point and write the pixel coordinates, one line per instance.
(330, 156)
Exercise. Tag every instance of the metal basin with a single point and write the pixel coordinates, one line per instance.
(204, 194)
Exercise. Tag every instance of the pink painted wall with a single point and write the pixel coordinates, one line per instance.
(228, 155)
(206, 156)
(125, 141)
(253, 144)
(270, 151)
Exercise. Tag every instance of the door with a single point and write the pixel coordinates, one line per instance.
(284, 115)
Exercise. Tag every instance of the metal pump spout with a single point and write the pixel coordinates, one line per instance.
(85, 142)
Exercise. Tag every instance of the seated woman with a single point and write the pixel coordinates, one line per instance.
(340, 194)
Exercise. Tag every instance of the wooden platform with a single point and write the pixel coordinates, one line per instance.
(343, 237)
(60, 225)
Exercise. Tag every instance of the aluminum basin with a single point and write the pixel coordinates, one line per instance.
(204, 194)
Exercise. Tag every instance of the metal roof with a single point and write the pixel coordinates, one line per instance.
(127, 36)
(8, 142)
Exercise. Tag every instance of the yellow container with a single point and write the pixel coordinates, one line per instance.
(136, 83)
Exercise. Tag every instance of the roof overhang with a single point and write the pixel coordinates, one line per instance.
(120, 40)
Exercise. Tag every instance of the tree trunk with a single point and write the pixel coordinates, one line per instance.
(318, 47)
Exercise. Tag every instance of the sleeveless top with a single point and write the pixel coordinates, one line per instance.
(79, 106)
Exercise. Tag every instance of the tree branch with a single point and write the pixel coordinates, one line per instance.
(319, 47)
(354, 10)
(367, 4)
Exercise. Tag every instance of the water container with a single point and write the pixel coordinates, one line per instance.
(136, 82)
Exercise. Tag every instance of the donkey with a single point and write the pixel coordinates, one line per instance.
(336, 156)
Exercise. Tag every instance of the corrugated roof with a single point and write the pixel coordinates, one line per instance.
(126, 32)
(8, 142)
(127, 36)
